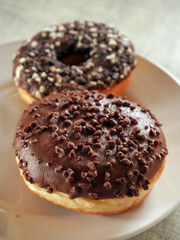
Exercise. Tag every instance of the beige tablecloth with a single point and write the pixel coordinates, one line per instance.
(153, 26)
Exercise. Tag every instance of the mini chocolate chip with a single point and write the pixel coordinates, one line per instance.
(132, 107)
(103, 120)
(72, 154)
(144, 169)
(152, 132)
(108, 152)
(112, 121)
(93, 195)
(150, 149)
(67, 123)
(70, 145)
(111, 144)
(121, 180)
(130, 174)
(90, 128)
(119, 128)
(134, 121)
(77, 135)
(120, 155)
(118, 141)
(91, 166)
(98, 133)
(59, 150)
(126, 162)
(113, 131)
(58, 169)
(107, 176)
(98, 145)
(107, 185)
(136, 172)
(83, 175)
(118, 103)
(110, 96)
(108, 165)
(64, 105)
(84, 185)
(79, 122)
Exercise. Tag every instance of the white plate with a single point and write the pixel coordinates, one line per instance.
(24, 215)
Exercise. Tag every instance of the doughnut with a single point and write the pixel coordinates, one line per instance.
(90, 152)
(77, 55)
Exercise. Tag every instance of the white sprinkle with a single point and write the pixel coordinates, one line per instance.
(92, 52)
(61, 28)
(79, 44)
(47, 50)
(121, 76)
(37, 94)
(77, 69)
(57, 84)
(94, 34)
(93, 29)
(52, 69)
(58, 70)
(42, 88)
(52, 46)
(60, 34)
(34, 44)
(34, 68)
(90, 24)
(32, 54)
(57, 43)
(35, 75)
(38, 79)
(100, 69)
(59, 78)
(129, 50)
(102, 45)
(88, 37)
(53, 35)
(135, 62)
(51, 79)
(22, 60)
(93, 83)
(72, 82)
(73, 32)
(89, 65)
(112, 42)
(43, 74)
(111, 56)
(29, 80)
(17, 74)
(110, 35)
(27, 70)
(44, 34)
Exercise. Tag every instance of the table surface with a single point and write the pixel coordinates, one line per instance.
(153, 26)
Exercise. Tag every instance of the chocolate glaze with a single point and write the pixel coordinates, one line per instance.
(88, 144)
(39, 68)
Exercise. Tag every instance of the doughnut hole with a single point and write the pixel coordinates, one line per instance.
(73, 56)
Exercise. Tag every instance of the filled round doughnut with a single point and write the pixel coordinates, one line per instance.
(89, 152)
(77, 55)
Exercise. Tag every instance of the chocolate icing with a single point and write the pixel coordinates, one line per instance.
(108, 59)
(88, 144)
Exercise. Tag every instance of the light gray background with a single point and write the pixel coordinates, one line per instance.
(153, 26)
